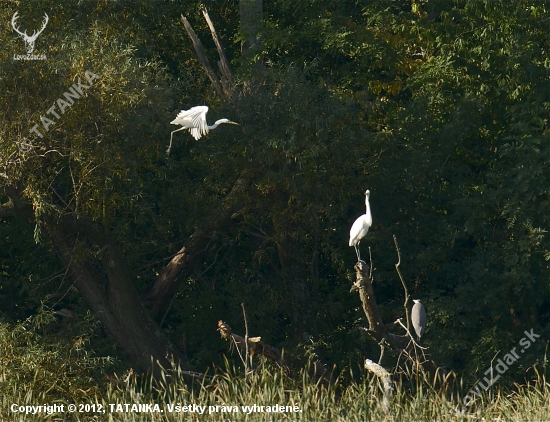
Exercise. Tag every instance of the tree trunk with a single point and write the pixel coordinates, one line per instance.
(251, 15)
(295, 279)
(102, 279)
(106, 286)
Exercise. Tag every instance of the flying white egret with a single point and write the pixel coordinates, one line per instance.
(360, 227)
(194, 119)
(418, 318)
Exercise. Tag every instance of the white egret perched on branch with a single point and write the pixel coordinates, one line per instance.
(360, 227)
(194, 120)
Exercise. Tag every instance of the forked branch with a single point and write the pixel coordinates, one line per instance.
(201, 55)
(406, 304)
(377, 330)
(225, 85)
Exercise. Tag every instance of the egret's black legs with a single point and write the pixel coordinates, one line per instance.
(358, 253)
(171, 136)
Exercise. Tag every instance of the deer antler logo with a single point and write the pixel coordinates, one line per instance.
(29, 40)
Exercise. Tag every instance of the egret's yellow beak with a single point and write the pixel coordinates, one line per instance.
(233, 123)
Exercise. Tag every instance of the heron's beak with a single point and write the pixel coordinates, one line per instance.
(233, 123)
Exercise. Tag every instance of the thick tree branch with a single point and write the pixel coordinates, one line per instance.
(94, 231)
(385, 378)
(179, 267)
(195, 246)
(251, 346)
(377, 330)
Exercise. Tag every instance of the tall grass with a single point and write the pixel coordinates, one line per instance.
(35, 372)
(269, 386)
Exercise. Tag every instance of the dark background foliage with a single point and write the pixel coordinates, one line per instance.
(439, 108)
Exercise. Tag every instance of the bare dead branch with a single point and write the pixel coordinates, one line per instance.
(254, 344)
(376, 330)
(370, 261)
(379, 332)
(199, 49)
(227, 79)
(398, 321)
(247, 354)
(405, 305)
(385, 377)
(382, 345)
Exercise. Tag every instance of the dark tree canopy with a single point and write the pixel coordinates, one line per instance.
(439, 108)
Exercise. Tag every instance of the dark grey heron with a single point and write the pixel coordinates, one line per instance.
(418, 318)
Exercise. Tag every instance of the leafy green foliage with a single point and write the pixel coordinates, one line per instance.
(439, 108)
(38, 366)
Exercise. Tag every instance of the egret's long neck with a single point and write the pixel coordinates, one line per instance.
(216, 124)
(367, 205)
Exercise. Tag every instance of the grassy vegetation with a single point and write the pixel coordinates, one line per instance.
(35, 369)
(355, 402)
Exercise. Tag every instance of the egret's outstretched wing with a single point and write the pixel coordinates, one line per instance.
(198, 117)
(193, 119)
